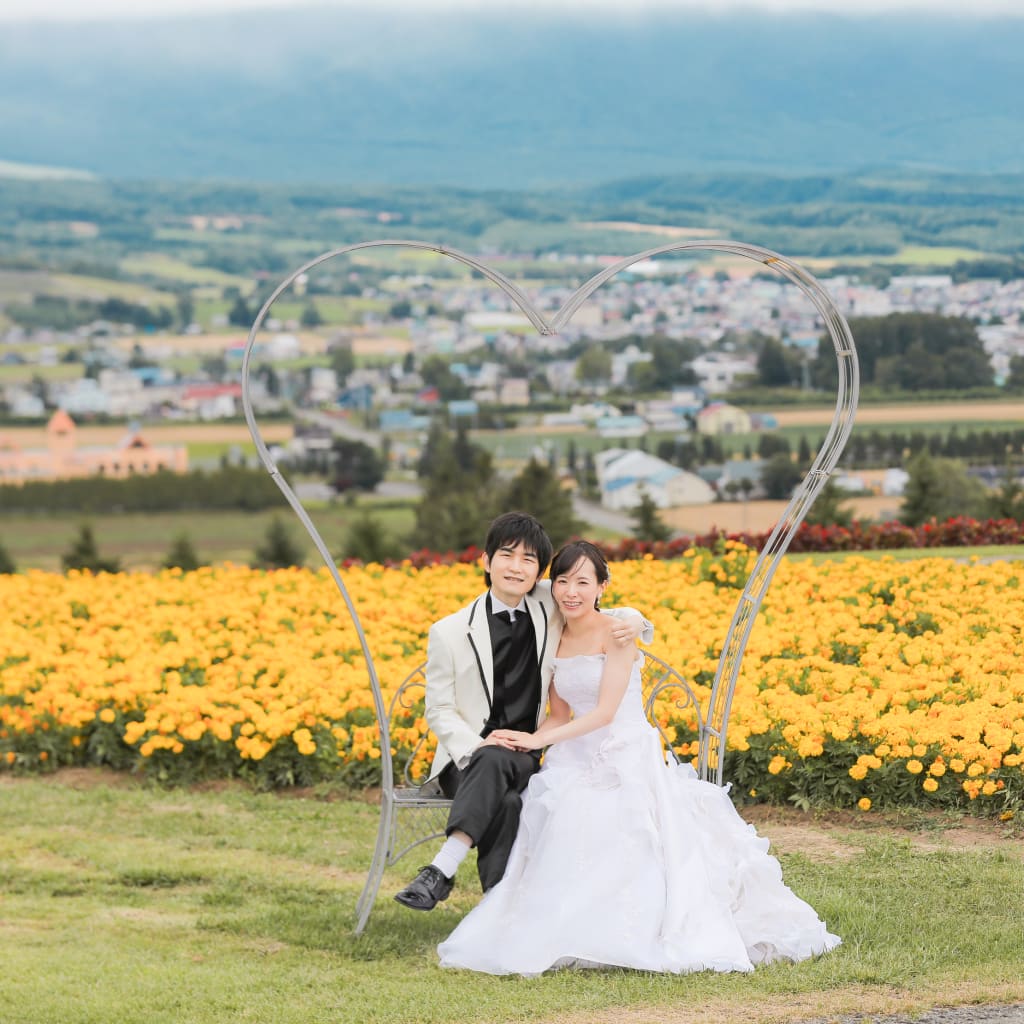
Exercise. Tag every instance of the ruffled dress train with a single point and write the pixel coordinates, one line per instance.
(623, 860)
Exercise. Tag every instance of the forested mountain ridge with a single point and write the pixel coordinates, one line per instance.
(506, 99)
(914, 220)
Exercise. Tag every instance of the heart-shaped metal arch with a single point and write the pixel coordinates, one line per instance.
(711, 757)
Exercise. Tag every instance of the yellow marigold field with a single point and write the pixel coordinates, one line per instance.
(865, 683)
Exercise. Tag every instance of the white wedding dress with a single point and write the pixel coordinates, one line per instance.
(623, 860)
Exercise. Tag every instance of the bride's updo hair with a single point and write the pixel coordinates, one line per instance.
(568, 556)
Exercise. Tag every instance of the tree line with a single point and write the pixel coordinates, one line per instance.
(59, 313)
(910, 352)
(230, 487)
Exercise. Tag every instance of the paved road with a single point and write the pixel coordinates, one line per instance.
(597, 515)
(341, 427)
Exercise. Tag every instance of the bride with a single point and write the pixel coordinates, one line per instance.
(621, 859)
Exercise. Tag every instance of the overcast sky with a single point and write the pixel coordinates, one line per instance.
(77, 10)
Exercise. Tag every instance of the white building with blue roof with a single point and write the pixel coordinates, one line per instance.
(625, 475)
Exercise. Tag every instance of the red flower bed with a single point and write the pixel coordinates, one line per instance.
(958, 531)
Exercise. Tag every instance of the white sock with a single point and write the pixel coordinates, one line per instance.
(450, 856)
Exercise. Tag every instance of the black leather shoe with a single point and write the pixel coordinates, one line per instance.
(426, 890)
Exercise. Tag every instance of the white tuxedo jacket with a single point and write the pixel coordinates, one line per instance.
(460, 671)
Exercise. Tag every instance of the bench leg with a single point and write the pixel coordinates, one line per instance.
(377, 865)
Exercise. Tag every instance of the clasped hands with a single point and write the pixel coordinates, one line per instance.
(513, 739)
(624, 632)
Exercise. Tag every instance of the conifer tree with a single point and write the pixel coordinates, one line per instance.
(182, 555)
(83, 554)
(279, 549)
(828, 508)
(369, 541)
(1007, 502)
(458, 492)
(537, 490)
(939, 489)
(7, 566)
(647, 521)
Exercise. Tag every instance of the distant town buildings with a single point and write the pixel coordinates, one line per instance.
(625, 475)
(711, 311)
(64, 458)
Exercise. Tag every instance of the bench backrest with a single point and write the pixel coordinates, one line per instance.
(670, 704)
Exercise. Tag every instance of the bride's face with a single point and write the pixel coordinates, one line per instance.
(578, 590)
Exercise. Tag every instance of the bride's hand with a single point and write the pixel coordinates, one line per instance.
(518, 740)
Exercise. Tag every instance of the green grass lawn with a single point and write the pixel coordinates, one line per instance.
(333, 309)
(122, 902)
(24, 372)
(80, 286)
(161, 265)
(142, 541)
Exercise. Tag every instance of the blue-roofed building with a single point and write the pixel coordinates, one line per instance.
(358, 397)
(625, 475)
(463, 408)
(621, 426)
(394, 420)
(152, 376)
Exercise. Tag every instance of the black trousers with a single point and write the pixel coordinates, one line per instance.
(486, 804)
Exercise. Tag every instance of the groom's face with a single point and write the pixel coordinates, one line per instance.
(514, 570)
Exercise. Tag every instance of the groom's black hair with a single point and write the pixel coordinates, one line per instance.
(514, 528)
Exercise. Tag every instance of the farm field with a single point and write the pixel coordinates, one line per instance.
(758, 516)
(142, 541)
(942, 414)
(812, 423)
(157, 433)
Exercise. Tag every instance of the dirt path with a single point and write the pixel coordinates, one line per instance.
(843, 834)
(926, 412)
(854, 1004)
(157, 433)
(759, 516)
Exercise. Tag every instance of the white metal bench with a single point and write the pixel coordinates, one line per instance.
(715, 713)
(414, 811)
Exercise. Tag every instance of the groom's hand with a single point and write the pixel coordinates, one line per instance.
(496, 739)
(626, 631)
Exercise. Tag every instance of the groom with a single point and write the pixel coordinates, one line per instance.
(488, 668)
